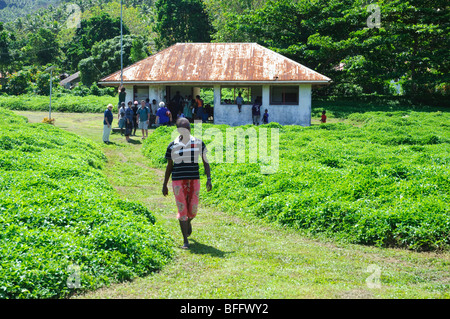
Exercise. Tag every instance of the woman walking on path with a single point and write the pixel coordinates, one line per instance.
(182, 163)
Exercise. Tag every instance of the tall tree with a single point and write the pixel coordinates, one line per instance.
(181, 21)
(105, 58)
(336, 38)
(96, 29)
(42, 47)
(5, 55)
(138, 50)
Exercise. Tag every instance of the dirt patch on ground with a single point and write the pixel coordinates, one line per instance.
(123, 159)
(158, 172)
(357, 294)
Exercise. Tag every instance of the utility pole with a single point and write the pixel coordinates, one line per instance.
(121, 46)
(51, 84)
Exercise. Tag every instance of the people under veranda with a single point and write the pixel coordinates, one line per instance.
(187, 110)
(163, 115)
(199, 110)
(239, 101)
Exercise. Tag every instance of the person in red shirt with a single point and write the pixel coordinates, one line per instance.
(324, 117)
(200, 109)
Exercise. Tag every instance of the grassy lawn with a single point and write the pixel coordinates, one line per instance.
(234, 257)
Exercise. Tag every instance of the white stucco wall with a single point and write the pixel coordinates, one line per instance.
(154, 92)
(282, 114)
(129, 91)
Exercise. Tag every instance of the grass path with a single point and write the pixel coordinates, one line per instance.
(234, 257)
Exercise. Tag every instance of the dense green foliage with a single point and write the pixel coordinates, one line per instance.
(105, 57)
(35, 80)
(10, 10)
(62, 103)
(338, 38)
(389, 47)
(181, 21)
(342, 107)
(93, 30)
(383, 181)
(58, 210)
(66, 34)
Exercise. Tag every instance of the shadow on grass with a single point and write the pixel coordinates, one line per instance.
(135, 141)
(202, 249)
(110, 143)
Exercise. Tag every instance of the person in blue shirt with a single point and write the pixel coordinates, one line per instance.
(163, 115)
(265, 118)
(256, 112)
(107, 123)
(143, 118)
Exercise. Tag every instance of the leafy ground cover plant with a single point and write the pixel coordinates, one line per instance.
(63, 228)
(382, 182)
(60, 103)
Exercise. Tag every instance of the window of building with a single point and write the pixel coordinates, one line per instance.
(228, 94)
(286, 95)
(140, 93)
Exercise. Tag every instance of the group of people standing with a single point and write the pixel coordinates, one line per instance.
(189, 107)
(134, 116)
(256, 112)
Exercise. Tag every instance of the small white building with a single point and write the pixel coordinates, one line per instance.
(283, 85)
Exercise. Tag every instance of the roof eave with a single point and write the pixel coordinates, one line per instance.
(275, 82)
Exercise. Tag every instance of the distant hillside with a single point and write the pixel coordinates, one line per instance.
(10, 10)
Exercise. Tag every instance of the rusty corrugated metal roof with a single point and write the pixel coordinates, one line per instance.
(216, 62)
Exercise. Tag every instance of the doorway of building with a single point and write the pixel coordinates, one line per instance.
(180, 97)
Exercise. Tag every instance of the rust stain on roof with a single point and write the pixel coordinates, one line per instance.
(216, 62)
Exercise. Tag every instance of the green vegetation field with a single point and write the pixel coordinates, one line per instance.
(380, 178)
(59, 212)
(234, 256)
(60, 103)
